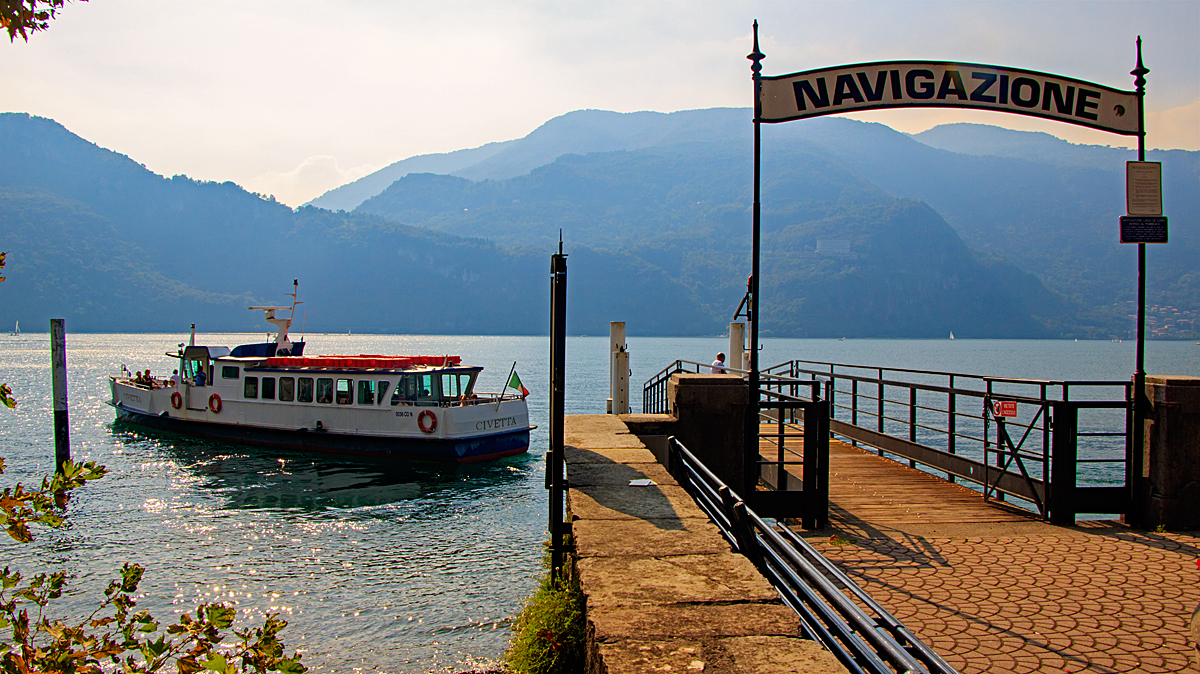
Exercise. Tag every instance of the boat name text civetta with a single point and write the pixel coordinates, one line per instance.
(492, 424)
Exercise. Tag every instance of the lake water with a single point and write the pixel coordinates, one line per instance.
(404, 568)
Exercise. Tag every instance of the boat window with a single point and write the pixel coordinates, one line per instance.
(425, 388)
(406, 390)
(366, 392)
(287, 389)
(305, 394)
(230, 371)
(250, 389)
(449, 386)
(383, 387)
(268, 388)
(324, 391)
(345, 391)
(457, 386)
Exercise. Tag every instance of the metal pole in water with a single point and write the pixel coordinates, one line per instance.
(58, 367)
(558, 366)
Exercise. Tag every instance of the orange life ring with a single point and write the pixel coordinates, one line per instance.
(176, 400)
(426, 414)
(214, 403)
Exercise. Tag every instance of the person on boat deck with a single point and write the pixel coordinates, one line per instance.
(176, 380)
(718, 365)
(140, 379)
(150, 380)
(200, 378)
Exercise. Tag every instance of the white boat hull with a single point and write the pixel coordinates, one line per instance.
(479, 431)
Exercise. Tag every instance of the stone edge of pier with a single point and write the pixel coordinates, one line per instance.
(662, 586)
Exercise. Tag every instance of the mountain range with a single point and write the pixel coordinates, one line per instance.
(867, 232)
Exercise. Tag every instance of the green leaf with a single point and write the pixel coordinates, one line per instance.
(221, 616)
(291, 666)
(6, 398)
(131, 575)
(8, 580)
(153, 649)
(216, 663)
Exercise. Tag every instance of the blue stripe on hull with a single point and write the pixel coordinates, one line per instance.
(469, 450)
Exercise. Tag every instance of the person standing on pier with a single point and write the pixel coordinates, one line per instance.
(718, 365)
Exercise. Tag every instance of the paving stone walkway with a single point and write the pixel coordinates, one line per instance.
(664, 591)
(1011, 594)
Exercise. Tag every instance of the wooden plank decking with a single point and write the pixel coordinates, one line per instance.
(868, 491)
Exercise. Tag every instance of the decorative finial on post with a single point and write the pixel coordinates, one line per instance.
(756, 56)
(1140, 71)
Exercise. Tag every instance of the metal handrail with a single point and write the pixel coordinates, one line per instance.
(818, 591)
(943, 424)
(1004, 380)
(654, 391)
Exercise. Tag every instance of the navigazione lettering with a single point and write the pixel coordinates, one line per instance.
(920, 84)
(910, 84)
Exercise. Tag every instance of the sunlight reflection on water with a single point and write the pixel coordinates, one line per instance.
(378, 568)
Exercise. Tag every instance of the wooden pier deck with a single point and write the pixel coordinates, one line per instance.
(994, 589)
(875, 492)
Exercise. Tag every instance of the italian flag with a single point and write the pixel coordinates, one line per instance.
(515, 383)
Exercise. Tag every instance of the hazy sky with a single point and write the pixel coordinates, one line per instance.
(295, 97)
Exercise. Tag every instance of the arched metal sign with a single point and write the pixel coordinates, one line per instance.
(941, 84)
(938, 84)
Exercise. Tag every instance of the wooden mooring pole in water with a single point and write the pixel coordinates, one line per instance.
(58, 367)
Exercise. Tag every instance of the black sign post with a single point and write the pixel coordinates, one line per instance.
(1141, 406)
(751, 431)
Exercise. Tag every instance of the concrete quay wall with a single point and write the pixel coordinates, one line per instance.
(664, 591)
(1171, 455)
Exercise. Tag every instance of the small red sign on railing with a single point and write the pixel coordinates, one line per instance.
(1004, 408)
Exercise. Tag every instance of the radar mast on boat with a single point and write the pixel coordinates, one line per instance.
(283, 345)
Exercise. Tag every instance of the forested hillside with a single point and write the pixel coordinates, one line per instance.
(1032, 208)
(94, 237)
(866, 232)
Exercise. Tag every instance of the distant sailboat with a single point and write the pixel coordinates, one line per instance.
(16, 330)
(951, 334)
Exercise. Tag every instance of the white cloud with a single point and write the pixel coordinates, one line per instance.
(312, 178)
(1175, 128)
(229, 90)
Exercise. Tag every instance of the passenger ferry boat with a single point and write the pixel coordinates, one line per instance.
(271, 394)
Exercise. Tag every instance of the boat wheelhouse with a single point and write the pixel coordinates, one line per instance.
(271, 394)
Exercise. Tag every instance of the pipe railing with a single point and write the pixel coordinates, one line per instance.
(865, 640)
(654, 391)
(957, 426)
